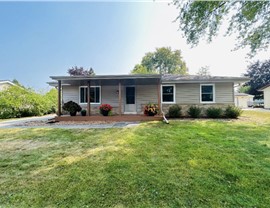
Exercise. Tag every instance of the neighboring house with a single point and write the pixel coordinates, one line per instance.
(266, 94)
(243, 100)
(4, 84)
(128, 94)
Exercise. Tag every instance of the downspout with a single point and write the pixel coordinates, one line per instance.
(165, 120)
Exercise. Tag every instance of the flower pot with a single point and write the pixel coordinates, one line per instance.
(151, 114)
(105, 113)
(83, 113)
(72, 113)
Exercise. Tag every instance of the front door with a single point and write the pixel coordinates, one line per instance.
(130, 104)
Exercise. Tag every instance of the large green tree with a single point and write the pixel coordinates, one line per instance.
(250, 20)
(163, 61)
(259, 74)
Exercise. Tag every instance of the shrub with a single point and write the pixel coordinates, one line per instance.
(174, 111)
(72, 107)
(151, 109)
(17, 101)
(194, 112)
(233, 112)
(213, 112)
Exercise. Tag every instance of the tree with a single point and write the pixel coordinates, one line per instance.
(244, 89)
(250, 20)
(204, 71)
(259, 74)
(80, 71)
(140, 69)
(16, 82)
(163, 61)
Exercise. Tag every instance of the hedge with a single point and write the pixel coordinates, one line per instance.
(18, 102)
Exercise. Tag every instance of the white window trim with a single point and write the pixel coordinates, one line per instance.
(214, 93)
(174, 93)
(86, 88)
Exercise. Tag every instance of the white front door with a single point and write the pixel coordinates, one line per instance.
(130, 100)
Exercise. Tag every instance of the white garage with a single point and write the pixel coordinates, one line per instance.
(266, 94)
(243, 100)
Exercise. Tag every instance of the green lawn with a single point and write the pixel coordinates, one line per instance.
(188, 163)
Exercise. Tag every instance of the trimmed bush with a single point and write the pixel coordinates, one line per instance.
(194, 112)
(174, 111)
(72, 107)
(214, 112)
(233, 112)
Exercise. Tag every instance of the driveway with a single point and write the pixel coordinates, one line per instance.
(257, 109)
(21, 121)
(41, 122)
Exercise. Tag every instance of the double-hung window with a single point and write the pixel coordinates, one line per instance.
(168, 93)
(207, 93)
(94, 94)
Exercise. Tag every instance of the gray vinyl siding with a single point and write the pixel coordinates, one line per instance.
(187, 93)
(224, 93)
(70, 93)
(146, 94)
(190, 93)
(109, 95)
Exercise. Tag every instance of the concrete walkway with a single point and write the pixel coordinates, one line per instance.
(22, 123)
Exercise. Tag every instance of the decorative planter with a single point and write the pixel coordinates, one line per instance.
(105, 113)
(151, 114)
(104, 109)
(72, 113)
(83, 113)
(151, 109)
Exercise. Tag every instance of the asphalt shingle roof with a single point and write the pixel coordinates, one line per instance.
(174, 77)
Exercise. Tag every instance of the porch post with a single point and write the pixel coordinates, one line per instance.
(159, 97)
(59, 98)
(88, 99)
(120, 98)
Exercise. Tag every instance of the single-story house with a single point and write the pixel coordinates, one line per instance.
(128, 94)
(243, 100)
(266, 94)
(4, 84)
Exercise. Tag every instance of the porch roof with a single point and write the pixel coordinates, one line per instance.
(144, 79)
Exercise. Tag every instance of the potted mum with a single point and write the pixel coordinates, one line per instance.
(72, 108)
(151, 109)
(83, 112)
(104, 109)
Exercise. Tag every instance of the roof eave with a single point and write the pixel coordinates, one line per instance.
(104, 77)
(263, 88)
(206, 81)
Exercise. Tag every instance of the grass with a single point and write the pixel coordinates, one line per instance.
(188, 163)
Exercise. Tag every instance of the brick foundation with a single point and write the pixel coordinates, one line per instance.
(185, 107)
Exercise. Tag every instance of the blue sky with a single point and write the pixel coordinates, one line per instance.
(39, 39)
